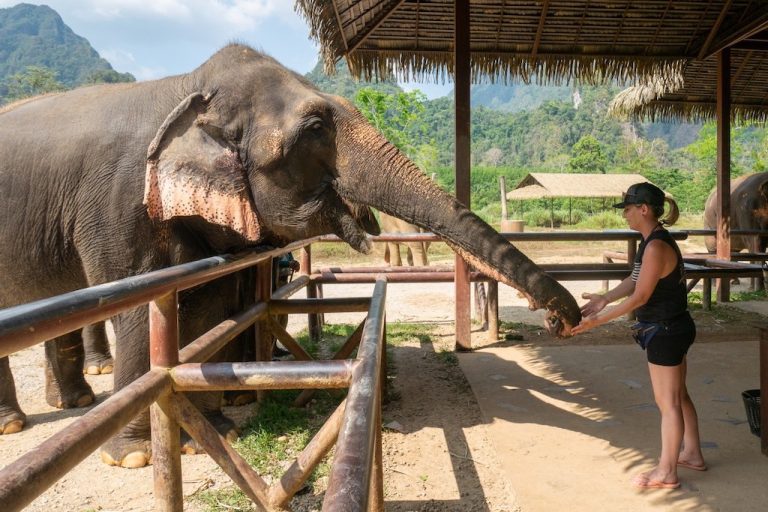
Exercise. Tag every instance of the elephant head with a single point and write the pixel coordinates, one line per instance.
(258, 150)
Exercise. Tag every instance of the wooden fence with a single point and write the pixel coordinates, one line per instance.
(356, 478)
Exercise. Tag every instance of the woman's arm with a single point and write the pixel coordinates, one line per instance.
(654, 263)
(597, 301)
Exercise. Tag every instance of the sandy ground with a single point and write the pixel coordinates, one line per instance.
(535, 424)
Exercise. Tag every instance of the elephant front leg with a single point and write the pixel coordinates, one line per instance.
(98, 359)
(65, 386)
(12, 419)
(131, 447)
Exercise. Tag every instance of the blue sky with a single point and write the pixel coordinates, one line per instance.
(156, 38)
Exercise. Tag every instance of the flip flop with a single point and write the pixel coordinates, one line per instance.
(655, 484)
(695, 467)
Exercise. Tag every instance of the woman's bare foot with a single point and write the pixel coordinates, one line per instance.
(657, 479)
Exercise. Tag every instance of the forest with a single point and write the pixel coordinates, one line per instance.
(557, 129)
(516, 128)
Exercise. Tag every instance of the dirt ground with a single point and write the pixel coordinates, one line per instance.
(439, 448)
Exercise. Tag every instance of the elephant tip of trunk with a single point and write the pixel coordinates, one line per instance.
(562, 318)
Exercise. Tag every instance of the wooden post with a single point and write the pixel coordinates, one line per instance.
(764, 392)
(723, 167)
(313, 319)
(265, 339)
(493, 311)
(166, 445)
(463, 162)
(503, 189)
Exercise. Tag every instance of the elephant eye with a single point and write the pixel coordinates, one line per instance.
(315, 124)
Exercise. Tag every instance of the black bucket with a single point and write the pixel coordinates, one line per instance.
(752, 405)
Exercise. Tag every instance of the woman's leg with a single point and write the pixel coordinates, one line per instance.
(668, 383)
(691, 454)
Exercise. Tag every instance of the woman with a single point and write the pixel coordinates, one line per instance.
(657, 293)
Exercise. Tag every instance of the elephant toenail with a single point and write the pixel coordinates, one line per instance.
(135, 460)
(12, 427)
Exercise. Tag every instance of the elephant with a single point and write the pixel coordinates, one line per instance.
(98, 358)
(749, 210)
(416, 252)
(114, 180)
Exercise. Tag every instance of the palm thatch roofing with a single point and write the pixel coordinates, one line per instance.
(551, 40)
(539, 185)
(697, 100)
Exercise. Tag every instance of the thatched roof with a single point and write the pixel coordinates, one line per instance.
(540, 185)
(550, 40)
(697, 99)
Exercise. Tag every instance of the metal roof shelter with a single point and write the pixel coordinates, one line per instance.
(646, 41)
(542, 185)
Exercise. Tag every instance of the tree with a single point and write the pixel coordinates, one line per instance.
(108, 76)
(588, 156)
(394, 115)
(493, 157)
(32, 81)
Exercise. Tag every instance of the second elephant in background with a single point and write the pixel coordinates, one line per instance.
(416, 252)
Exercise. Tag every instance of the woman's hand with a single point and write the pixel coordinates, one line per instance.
(596, 304)
(587, 323)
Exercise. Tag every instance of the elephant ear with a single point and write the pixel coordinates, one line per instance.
(192, 170)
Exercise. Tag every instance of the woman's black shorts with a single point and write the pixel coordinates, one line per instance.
(671, 343)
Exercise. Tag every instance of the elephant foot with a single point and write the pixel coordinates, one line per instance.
(99, 367)
(133, 455)
(223, 426)
(238, 398)
(13, 423)
(67, 389)
(72, 400)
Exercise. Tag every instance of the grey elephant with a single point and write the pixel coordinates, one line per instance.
(416, 252)
(109, 181)
(749, 210)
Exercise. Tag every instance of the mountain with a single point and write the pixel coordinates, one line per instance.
(35, 35)
(517, 97)
(343, 84)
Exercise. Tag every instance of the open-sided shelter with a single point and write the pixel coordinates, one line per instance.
(645, 41)
(542, 185)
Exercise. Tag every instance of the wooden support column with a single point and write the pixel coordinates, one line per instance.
(723, 167)
(265, 339)
(462, 70)
(166, 444)
(764, 392)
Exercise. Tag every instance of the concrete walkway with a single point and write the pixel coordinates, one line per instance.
(573, 424)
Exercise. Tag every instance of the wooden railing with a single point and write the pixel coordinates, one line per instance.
(356, 479)
(356, 476)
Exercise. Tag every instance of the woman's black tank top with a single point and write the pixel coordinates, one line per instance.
(670, 297)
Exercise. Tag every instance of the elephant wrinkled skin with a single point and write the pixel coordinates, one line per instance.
(109, 181)
(749, 210)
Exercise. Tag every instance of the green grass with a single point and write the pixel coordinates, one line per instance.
(448, 357)
(695, 303)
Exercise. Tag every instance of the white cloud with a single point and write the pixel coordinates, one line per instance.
(239, 15)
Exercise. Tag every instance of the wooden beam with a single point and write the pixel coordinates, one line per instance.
(540, 28)
(385, 13)
(723, 166)
(713, 31)
(341, 28)
(463, 70)
(759, 46)
(741, 32)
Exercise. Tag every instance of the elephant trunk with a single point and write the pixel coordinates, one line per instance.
(374, 172)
